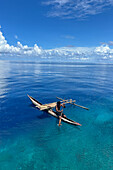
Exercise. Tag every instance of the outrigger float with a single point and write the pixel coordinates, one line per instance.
(48, 108)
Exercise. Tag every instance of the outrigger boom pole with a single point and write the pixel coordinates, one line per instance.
(70, 101)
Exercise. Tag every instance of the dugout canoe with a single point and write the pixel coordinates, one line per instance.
(53, 113)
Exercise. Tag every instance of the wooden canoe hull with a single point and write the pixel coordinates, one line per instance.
(53, 113)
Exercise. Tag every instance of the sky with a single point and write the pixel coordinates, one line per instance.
(74, 28)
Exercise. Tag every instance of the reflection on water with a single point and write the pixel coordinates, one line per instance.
(31, 139)
(4, 76)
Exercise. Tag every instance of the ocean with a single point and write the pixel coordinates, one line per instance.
(31, 140)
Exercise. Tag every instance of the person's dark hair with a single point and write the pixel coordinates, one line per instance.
(58, 105)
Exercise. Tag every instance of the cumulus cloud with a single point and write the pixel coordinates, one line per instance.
(19, 49)
(2, 39)
(110, 43)
(16, 37)
(102, 53)
(68, 37)
(77, 9)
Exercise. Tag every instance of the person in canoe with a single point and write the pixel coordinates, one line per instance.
(60, 112)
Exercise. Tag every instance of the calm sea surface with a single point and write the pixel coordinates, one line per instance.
(31, 140)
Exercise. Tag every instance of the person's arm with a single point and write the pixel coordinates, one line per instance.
(63, 105)
(58, 110)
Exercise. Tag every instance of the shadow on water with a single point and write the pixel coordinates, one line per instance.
(32, 106)
(43, 116)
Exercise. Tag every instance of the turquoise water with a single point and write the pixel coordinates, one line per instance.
(31, 140)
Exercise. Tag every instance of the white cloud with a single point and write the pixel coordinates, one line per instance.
(2, 39)
(0, 26)
(110, 43)
(102, 49)
(77, 9)
(69, 37)
(102, 53)
(16, 37)
(19, 49)
(59, 2)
